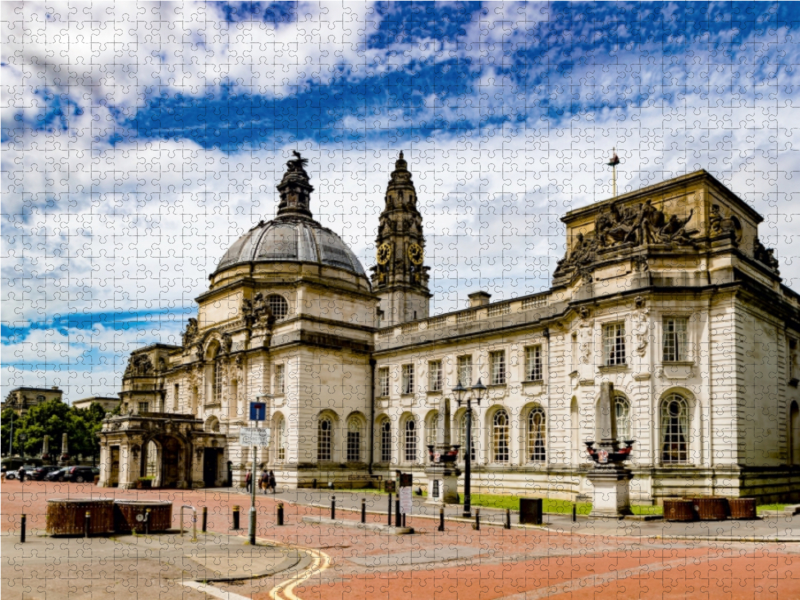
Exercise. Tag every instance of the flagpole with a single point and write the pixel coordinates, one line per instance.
(613, 164)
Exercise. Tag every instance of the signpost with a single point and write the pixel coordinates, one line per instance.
(406, 482)
(255, 437)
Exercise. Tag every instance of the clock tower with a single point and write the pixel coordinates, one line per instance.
(401, 278)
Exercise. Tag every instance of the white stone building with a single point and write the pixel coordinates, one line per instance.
(665, 291)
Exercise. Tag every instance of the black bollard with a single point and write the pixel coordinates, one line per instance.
(147, 521)
(280, 513)
(86, 520)
(404, 519)
(441, 519)
(574, 512)
(363, 510)
(22, 523)
(390, 509)
(205, 518)
(235, 517)
(397, 515)
(333, 508)
(314, 484)
(477, 526)
(508, 518)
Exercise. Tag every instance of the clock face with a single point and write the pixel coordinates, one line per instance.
(416, 254)
(384, 253)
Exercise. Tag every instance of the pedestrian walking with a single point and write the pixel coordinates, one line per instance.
(264, 480)
(272, 483)
(21, 474)
(248, 480)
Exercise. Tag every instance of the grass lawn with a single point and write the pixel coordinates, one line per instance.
(771, 507)
(548, 506)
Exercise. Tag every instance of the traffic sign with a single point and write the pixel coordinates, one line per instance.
(253, 436)
(258, 411)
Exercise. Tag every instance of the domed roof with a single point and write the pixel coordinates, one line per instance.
(292, 239)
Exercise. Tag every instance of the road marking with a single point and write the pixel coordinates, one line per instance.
(213, 591)
(320, 562)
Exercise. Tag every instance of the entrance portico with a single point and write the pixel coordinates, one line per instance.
(174, 450)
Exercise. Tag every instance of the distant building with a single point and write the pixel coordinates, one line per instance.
(21, 399)
(109, 403)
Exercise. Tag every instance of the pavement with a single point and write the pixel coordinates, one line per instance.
(591, 559)
(773, 528)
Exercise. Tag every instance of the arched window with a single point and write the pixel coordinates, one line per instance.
(386, 441)
(462, 437)
(324, 439)
(431, 426)
(500, 436)
(217, 379)
(278, 305)
(411, 440)
(151, 464)
(280, 439)
(674, 430)
(622, 410)
(537, 435)
(353, 439)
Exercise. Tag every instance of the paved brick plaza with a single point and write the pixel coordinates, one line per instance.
(458, 564)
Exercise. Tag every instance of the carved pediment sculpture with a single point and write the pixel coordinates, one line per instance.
(765, 255)
(139, 366)
(191, 332)
(629, 227)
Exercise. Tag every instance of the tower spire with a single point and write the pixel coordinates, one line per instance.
(401, 278)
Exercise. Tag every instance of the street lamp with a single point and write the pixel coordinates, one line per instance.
(477, 391)
(22, 437)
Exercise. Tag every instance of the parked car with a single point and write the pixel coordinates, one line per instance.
(29, 469)
(80, 474)
(59, 475)
(39, 473)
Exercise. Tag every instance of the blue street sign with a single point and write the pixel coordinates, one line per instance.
(258, 411)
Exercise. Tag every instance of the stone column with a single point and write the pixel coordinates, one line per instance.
(441, 471)
(610, 478)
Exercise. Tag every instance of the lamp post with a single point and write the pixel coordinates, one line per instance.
(477, 392)
(22, 437)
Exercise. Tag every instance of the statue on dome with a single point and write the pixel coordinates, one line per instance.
(297, 165)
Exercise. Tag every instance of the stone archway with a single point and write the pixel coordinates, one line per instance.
(162, 460)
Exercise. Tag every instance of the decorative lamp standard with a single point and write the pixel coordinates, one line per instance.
(22, 437)
(477, 392)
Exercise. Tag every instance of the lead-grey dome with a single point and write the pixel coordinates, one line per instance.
(292, 239)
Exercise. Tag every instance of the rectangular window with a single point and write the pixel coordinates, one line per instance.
(465, 370)
(144, 407)
(386, 441)
(533, 363)
(279, 379)
(497, 360)
(176, 397)
(792, 359)
(675, 343)
(383, 381)
(435, 376)
(614, 344)
(408, 379)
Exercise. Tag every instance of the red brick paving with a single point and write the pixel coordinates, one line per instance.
(577, 567)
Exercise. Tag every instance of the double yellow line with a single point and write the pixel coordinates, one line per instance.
(319, 563)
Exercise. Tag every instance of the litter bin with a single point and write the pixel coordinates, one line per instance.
(530, 511)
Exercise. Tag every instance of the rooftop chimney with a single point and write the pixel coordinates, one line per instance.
(479, 299)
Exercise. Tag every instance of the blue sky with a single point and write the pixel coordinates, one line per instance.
(154, 136)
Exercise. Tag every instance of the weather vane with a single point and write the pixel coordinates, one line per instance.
(613, 164)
